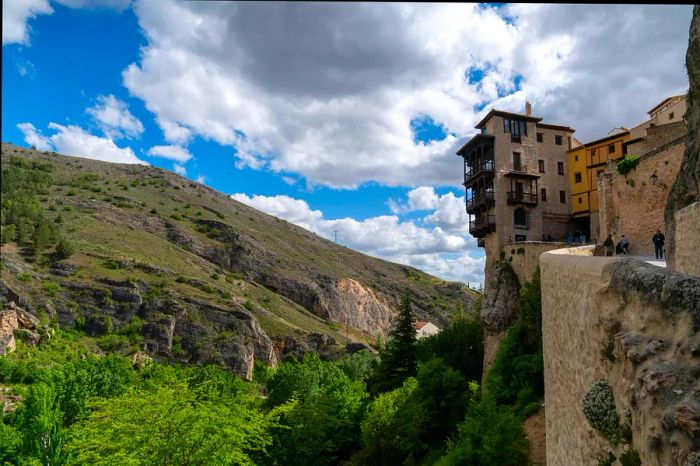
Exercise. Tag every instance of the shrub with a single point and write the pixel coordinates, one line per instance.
(24, 277)
(64, 249)
(51, 288)
(176, 216)
(627, 164)
(630, 457)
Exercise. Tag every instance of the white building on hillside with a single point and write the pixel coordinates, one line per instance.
(426, 329)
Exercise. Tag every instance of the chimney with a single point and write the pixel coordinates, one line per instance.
(528, 109)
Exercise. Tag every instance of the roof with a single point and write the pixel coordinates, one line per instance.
(555, 127)
(492, 113)
(473, 140)
(607, 138)
(663, 102)
(419, 325)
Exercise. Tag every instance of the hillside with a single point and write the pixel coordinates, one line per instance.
(185, 272)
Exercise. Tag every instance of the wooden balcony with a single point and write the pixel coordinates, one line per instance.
(518, 197)
(485, 167)
(480, 201)
(481, 226)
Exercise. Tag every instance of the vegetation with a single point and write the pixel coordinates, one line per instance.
(627, 164)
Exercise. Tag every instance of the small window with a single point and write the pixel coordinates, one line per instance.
(543, 194)
(539, 137)
(560, 168)
(670, 116)
(562, 197)
(506, 125)
(577, 177)
(575, 158)
(597, 173)
(593, 152)
(580, 200)
(520, 217)
(611, 148)
(557, 140)
(541, 165)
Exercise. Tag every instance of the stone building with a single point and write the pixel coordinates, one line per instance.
(515, 176)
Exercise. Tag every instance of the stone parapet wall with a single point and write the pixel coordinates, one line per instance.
(650, 317)
(688, 240)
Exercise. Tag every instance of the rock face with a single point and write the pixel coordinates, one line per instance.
(686, 189)
(499, 308)
(16, 322)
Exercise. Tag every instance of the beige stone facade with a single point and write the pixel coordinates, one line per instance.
(670, 110)
(633, 204)
(516, 179)
(688, 239)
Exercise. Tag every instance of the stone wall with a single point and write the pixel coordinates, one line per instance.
(632, 205)
(650, 318)
(688, 239)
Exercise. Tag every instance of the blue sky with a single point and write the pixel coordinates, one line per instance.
(328, 121)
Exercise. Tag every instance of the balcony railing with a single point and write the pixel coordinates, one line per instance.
(480, 199)
(475, 170)
(518, 168)
(522, 197)
(485, 221)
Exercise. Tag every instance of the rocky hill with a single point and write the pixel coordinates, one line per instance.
(187, 273)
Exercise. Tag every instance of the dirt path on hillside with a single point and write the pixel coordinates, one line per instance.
(535, 433)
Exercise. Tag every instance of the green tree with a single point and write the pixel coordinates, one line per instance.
(169, 425)
(41, 425)
(490, 435)
(460, 345)
(398, 358)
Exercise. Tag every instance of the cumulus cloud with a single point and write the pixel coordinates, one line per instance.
(176, 153)
(179, 169)
(449, 214)
(431, 248)
(114, 118)
(73, 140)
(329, 91)
(33, 137)
(15, 14)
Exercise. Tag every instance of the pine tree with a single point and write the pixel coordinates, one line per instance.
(398, 358)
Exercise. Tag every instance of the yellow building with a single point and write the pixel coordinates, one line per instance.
(586, 162)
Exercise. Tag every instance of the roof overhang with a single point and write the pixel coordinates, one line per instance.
(473, 141)
(493, 113)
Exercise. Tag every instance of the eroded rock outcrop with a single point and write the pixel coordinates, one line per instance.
(15, 323)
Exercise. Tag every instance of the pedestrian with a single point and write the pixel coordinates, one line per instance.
(658, 239)
(609, 245)
(624, 245)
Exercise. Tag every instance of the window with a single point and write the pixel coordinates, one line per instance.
(516, 162)
(520, 217)
(541, 165)
(593, 151)
(670, 116)
(543, 194)
(598, 172)
(611, 148)
(562, 197)
(577, 177)
(575, 158)
(516, 128)
(557, 140)
(560, 168)
(539, 137)
(580, 200)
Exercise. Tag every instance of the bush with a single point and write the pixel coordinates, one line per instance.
(51, 288)
(627, 164)
(64, 249)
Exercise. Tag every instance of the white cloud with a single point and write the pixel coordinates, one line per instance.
(117, 5)
(73, 140)
(431, 248)
(450, 213)
(201, 179)
(176, 153)
(114, 118)
(328, 91)
(33, 137)
(179, 169)
(15, 14)
(422, 198)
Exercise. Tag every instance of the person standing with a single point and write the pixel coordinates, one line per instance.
(609, 245)
(658, 239)
(625, 245)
